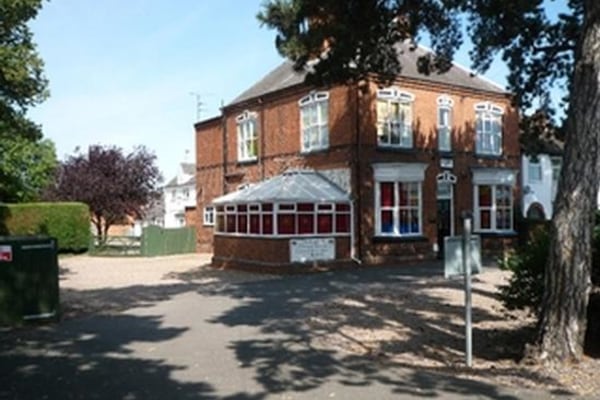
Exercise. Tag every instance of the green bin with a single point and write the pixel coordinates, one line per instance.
(28, 279)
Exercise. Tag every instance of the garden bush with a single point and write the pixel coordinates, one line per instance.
(526, 285)
(69, 223)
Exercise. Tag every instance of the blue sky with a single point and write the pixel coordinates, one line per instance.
(122, 72)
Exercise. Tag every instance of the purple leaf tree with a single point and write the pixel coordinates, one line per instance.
(113, 184)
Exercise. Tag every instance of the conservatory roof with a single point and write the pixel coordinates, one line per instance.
(292, 187)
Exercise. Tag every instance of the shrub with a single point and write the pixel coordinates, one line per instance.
(69, 223)
(526, 285)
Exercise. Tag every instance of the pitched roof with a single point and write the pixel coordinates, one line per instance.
(285, 76)
(291, 186)
(188, 168)
(173, 182)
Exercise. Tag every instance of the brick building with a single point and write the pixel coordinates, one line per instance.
(410, 157)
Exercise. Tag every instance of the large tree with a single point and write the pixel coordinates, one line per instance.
(114, 185)
(22, 82)
(27, 168)
(354, 39)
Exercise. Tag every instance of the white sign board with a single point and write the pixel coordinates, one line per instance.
(453, 256)
(314, 249)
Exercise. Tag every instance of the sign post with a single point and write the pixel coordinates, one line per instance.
(462, 256)
(467, 268)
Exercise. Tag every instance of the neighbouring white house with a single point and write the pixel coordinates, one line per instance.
(540, 180)
(180, 194)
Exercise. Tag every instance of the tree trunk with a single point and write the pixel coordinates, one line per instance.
(98, 224)
(562, 322)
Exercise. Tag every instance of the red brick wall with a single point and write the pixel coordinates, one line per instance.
(233, 251)
(425, 150)
(191, 216)
(356, 149)
(209, 176)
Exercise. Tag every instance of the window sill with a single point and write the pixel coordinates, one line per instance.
(399, 239)
(314, 151)
(489, 156)
(396, 149)
(496, 233)
(248, 161)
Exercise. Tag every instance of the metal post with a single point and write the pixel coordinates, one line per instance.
(466, 247)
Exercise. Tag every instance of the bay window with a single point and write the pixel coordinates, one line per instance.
(493, 208)
(399, 199)
(493, 199)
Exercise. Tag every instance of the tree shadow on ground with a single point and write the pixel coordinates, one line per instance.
(91, 361)
(78, 303)
(291, 353)
(289, 356)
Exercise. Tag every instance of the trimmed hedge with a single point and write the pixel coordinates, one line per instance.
(69, 223)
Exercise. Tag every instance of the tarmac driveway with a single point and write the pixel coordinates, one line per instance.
(198, 333)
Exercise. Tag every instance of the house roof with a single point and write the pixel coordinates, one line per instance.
(173, 182)
(292, 186)
(187, 169)
(284, 76)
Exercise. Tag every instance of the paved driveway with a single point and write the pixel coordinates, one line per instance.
(207, 334)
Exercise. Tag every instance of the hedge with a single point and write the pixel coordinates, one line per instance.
(69, 223)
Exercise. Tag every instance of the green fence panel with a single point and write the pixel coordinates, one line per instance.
(119, 246)
(28, 279)
(157, 241)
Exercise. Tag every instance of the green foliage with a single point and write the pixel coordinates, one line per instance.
(354, 39)
(27, 168)
(69, 223)
(113, 184)
(526, 285)
(22, 82)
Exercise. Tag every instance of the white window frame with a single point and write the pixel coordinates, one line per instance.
(493, 208)
(278, 209)
(444, 125)
(488, 129)
(247, 136)
(209, 216)
(407, 173)
(314, 122)
(396, 208)
(402, 124)
(534, 171)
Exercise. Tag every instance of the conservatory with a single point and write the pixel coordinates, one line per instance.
(299, 217)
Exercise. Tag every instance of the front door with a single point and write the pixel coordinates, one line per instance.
(444, 214)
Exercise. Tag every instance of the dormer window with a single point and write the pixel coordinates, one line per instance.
(488, 129)
(394, 118)
(444, 125)
(314, 121)
(247, 135)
